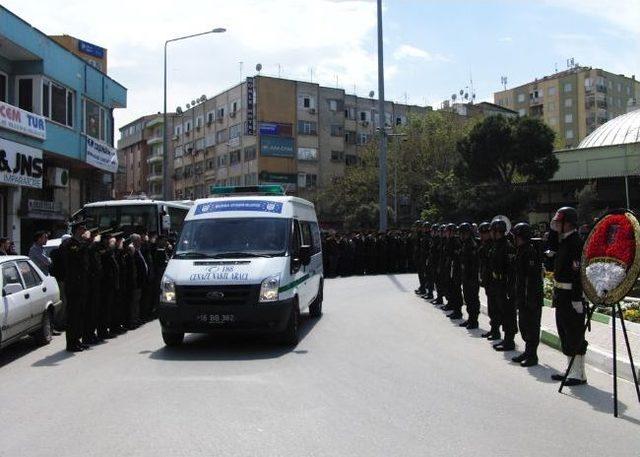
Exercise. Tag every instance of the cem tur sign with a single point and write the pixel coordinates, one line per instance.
(21, 121)
(20, 165)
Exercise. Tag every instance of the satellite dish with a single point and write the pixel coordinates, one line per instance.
(179, 110)
(193, 103)
(453, 97)
(461, 92)
(466, 96)
(371, 94)
(259, 67)
(203, 98)
(188, 106)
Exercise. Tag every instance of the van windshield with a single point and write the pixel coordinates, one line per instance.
(231, 237)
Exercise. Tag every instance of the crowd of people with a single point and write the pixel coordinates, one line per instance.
(109, 281)
(454, 261)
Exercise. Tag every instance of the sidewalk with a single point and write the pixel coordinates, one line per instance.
(600, 350)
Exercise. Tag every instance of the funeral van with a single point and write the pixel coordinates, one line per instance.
(248, 259)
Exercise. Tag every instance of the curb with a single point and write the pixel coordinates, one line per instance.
(595, 356)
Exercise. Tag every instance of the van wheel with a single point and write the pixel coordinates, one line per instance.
(315, 309)
(291, 336)
(172, 338)
(45, 334)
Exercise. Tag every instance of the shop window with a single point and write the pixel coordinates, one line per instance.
(57, 103)
(25, 94)
(3, 88)
(94, 120)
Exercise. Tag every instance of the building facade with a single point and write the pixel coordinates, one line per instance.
(274, 131)
(95, 55)
(140, 158)
(574, 102)
(56, 131)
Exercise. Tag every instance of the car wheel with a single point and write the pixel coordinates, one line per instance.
(172, 338)
(315, 309)
(291, 335)
(45, 334)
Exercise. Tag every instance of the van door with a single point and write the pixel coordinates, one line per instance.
(299, 273)
(311, 284)
(16, 309)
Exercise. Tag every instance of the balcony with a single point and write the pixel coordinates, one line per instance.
(155, 121)
(155, 174)
(154, 158)
(155, 140)
(534, 101)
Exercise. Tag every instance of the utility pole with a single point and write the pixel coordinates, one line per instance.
(383, 133)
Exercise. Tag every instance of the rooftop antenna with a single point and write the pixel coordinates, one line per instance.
(503, 81)
(473, 92)
(311, 73)
(556, 67)
(240, 70)
(406, 98)
(279, 70)
(337, 83)
(259, 68)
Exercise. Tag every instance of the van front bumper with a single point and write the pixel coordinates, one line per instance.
(269, 317)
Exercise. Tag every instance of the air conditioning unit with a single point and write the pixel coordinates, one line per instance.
(312, 111)
(58, 177)
(365, 123)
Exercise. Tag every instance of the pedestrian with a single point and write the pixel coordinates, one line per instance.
(567, 293)
(36, 252)
(500, 261)
(4, 246)
(470, 271)
(528, 293)
(75, 258)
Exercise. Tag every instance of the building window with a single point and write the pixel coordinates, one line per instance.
(210, 117)
(178, 173)
(188, 126)
(568, 87)
(522, 112)
(363, 138)
(177, 130)
(306, 102)
(350, 113)
(520, 98)
(351, 159)
(568, 118)
(588, 83)
(221, 136)
(178, 152)
(337, 130)
(199, 121)
(220, 112)
(57, 103)
(568, 134)
(553, 120)
(308, 154)
(551, 91)
(210, 164)
(401, 120)
(235, 131)
(307, 128)
(222, 160)
(568, 102)
(311, 180)
(3, 87)
(235, 105)
(333, 105)
(350, 137)
(25, 94)
(364, 116)
(94, 120)
(234, 157)
(337, 156)
(251, 179)
(249, 153)
(551, 106)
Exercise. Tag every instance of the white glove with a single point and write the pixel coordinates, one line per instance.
(578, 306)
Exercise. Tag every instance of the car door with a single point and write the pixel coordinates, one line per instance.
(35, 292)
(16, 309)
(307, 270)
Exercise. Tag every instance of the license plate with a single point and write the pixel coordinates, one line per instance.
(216, 319)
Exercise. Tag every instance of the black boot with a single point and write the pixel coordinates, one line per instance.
(471, 325)
(455, 315)
(519, 358)
(530, 361)
(504, 346)
(486, 334)
(494, 336)
(463, 324)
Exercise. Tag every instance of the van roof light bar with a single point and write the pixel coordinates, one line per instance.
(226, 191)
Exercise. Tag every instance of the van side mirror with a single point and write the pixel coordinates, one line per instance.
(305, 254)
(11, 288)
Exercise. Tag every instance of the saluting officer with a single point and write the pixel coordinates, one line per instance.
(427, 246)
(486, 280)
(76, 268)
(527, 293)
(470, 280)
(500, 263)
(434, 263)
(567, 293)
(418, 256)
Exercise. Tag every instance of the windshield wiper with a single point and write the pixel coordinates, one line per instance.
(238, 254)
(192, 254)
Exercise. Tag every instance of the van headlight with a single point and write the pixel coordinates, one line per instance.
(269, 289)
(167, 290)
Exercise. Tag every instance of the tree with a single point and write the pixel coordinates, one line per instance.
(587, 203)
(501, 150)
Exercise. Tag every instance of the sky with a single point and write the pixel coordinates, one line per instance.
(432, 48)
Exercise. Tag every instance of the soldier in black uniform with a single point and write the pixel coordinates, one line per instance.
(453, 273)
(470, 280)
(95, 278)
(121, 312)
(109, 285)
(486, 280)
(567, 293)
(527, 293)
(426, 247)
(418, 256)
(75, 258)
(500, 262)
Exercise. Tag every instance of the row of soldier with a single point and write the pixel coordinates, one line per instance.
(109, 282)
(454, 261)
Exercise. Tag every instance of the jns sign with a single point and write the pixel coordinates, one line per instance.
(21, 121)
(20, 165)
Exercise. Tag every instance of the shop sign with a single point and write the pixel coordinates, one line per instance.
(273, 146)
(274, 129)
(20, 165)
(90, 49)
(278, 178)
(44, 206)
(101, 156)
(250, 107)
(21, 121)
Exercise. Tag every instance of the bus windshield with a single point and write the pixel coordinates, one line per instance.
(231, 237)
(126, 217)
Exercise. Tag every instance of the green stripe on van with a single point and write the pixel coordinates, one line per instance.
(292, 284)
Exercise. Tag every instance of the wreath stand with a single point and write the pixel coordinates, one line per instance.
(616, 309)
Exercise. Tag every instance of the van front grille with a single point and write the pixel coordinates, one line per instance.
(227, 295)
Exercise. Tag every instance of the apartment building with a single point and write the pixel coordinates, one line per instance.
(573, 102)
(274, 131)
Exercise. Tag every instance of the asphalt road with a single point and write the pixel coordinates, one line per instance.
(383, 373)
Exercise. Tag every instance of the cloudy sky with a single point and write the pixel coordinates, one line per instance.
(432, 47)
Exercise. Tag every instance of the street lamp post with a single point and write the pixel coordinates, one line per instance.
(381, 121)
(395, 173)
(165, 150)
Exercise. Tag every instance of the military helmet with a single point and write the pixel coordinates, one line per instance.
(418, 223)
(499, 225)
(426, 224)
(522, 230)
(465, 227)
(566, 214)
(451, 226)
(484, 227)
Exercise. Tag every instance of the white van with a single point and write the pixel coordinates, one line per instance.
(249, 260)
